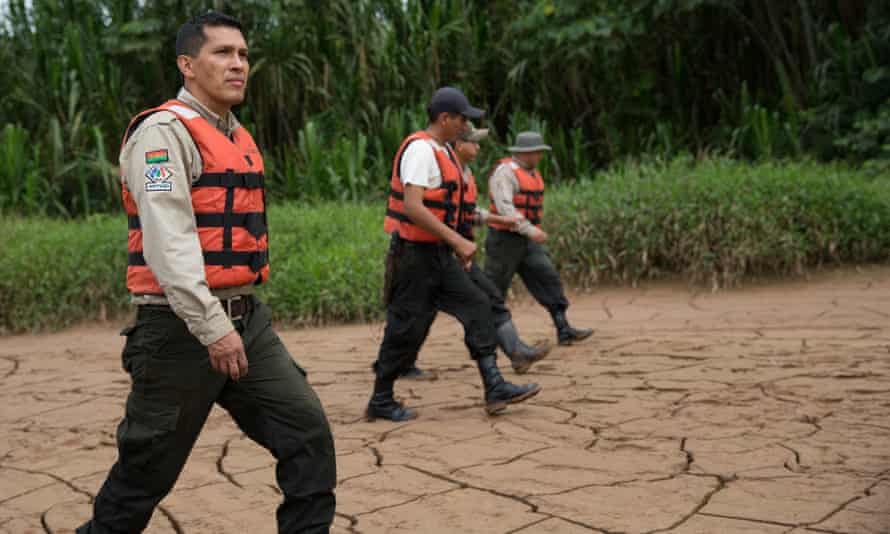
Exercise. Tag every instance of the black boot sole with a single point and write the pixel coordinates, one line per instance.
(369, 417)
(522, 368)
(500, 406)
(573, 340)
(425, 377)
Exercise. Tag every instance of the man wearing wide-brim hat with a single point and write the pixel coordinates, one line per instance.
(516, 188)
(522, 356)
(428, 259)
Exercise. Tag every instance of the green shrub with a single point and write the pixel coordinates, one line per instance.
(717, 221)
(714, 221)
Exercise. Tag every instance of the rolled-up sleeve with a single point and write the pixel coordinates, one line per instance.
(157, 166)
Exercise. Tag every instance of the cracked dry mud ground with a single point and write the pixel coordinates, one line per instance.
(761, 410)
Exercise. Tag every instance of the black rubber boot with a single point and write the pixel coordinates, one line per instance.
(384, 406)
(522, 357)
(565, 333)
(416, 373)
(498, 392)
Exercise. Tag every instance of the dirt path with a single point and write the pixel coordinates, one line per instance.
(764, 410)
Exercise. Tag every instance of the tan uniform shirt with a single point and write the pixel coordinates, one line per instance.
(169, 234)
(503, 184)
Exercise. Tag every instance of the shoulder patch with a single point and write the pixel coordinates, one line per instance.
(158, 178)
(157, 156)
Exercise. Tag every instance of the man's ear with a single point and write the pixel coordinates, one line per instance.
(184, 63)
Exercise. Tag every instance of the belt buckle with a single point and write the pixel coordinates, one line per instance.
(228, 308)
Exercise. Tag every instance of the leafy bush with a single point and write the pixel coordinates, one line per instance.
(714, 221)
(717, 221)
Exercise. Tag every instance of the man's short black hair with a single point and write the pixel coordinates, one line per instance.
(190, 37)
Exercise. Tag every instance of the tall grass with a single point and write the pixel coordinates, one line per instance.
(717, 221)
(714, 221)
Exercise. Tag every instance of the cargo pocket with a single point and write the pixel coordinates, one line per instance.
(147, 434)
(145, 338)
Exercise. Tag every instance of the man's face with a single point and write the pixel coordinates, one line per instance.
(466, 151)
(218, 74)
(531, 159)
(453, 126)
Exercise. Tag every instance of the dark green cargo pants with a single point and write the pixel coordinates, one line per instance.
(174, 388)
(508, 253)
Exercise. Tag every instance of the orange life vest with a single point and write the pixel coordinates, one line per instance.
(529, 200)
(467, 219)
(228, 200)
(443, 201)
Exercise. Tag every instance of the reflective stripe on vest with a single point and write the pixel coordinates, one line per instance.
(529, 200)
(443, 201)
(228, 200)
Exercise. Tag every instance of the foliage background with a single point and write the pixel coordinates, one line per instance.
(336, 84)
(714, 222)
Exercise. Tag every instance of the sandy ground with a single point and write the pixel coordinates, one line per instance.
(761, 410)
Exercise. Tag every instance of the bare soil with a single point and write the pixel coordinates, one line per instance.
(759, 410)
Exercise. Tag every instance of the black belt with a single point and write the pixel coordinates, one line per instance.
(236, 307)
(426, 245)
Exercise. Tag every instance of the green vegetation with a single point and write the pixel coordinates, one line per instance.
(713, 221)
(716, 221)
(336, 84)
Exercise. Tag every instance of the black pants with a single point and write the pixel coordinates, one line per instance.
(499, 311)
(174, 388)
(428, 278)
(508, 253)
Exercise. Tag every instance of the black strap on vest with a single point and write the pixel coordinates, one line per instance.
(246, 180)
(447, 205)
(254, 259)
(253, 222)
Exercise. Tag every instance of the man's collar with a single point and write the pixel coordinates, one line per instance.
(522, 164)
(226, 124)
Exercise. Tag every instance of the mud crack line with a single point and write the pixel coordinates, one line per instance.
(15, 366)
(721, 485)
(532, 506)
(222, 470)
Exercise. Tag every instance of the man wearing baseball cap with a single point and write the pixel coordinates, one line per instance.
(521, 355)
(516, 188)
(428, 261)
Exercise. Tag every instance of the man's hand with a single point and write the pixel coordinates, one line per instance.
(465, 250)
(513, 222)
(227, 355)
(538, 236)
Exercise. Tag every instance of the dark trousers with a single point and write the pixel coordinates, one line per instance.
(499, 311)
(508, 253)
(427, 278)
(174, 388)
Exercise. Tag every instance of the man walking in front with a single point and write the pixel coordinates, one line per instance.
(429, 259)
(516, 188)
(193, 190)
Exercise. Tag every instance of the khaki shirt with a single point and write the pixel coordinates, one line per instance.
(502, 185)
(169, 234)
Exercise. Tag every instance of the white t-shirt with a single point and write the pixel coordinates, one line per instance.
(419, 166)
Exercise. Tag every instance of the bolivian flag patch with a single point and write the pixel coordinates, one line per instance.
(157, 156)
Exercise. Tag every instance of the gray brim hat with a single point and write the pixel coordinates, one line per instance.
(473, 134)
(529, 142)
